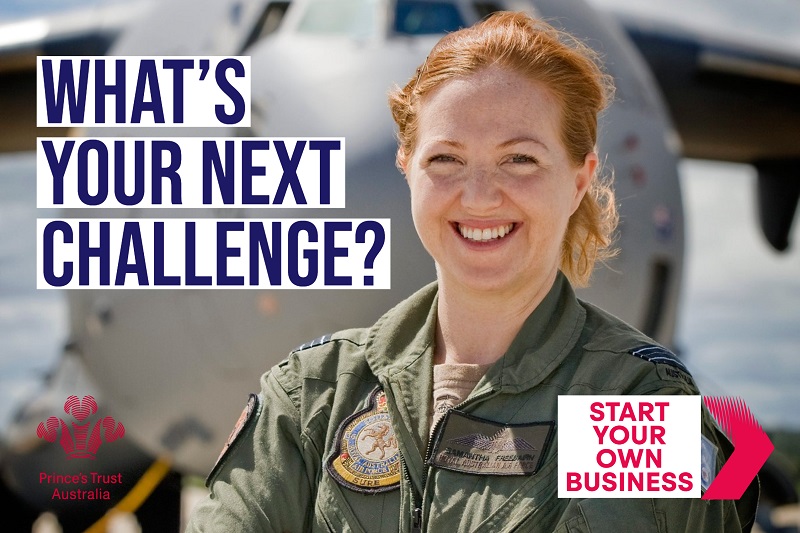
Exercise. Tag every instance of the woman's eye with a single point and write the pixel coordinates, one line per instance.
(522, 158)
(441, 158)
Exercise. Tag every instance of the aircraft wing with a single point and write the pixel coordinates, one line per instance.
(731, 85)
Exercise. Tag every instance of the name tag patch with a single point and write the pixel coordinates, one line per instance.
(367, 457)
(472, 445)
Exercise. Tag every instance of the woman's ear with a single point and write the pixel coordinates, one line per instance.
(401, 160)
(583, 178)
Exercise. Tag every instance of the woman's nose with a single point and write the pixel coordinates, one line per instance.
(481, 191)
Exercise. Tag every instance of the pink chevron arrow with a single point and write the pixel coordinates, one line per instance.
(751, 448)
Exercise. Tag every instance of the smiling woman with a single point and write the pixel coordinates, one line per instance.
(498, 169)
(441, 416)
(571, 90)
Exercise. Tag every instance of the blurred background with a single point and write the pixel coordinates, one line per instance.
(731, 303)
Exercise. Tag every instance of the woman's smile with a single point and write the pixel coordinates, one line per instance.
(484, 234)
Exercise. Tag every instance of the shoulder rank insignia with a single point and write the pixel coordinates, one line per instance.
(316, 342)
(674, 370)
(367, 457)
(247, 415)
(658, 354)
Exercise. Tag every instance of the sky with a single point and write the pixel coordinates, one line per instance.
(739, 322)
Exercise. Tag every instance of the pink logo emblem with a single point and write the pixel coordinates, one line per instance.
(82, 437)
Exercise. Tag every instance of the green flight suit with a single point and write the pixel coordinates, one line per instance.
(276, 474)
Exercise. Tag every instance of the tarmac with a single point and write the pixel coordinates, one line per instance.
(784, 518)
(124, 522)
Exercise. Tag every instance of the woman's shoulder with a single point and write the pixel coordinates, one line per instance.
(358, 353)
(323, 359)
(632, 359)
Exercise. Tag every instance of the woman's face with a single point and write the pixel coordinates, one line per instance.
(492, 187)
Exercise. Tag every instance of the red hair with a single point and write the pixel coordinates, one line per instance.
(572, 73)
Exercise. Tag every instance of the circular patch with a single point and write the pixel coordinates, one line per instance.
(367, 456)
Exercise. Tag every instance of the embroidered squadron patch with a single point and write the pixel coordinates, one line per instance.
(472, 445)
(241, 423)
(367, 457)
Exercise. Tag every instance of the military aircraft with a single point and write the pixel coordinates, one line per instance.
(176, 366)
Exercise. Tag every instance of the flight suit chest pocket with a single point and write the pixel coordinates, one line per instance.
(361, 479)
(339, 509)
(501, 472)
(497, 504)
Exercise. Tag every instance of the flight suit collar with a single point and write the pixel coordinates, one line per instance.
(546, 338)
(405, 336)
(399, 350)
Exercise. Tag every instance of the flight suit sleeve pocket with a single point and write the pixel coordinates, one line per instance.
(604, 515)
(576, 524)
(341, 509)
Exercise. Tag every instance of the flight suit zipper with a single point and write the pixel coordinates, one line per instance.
(417, 499)
(416, 513)
(416, 524)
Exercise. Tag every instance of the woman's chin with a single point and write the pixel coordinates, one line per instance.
(488, 280)
(496, 279)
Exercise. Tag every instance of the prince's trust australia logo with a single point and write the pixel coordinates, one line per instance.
(80, 437)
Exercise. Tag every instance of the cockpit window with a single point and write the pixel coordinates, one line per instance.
(422, 18)
(340, 17)
(268, 23)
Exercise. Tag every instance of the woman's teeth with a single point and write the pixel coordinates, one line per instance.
(487, 234)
